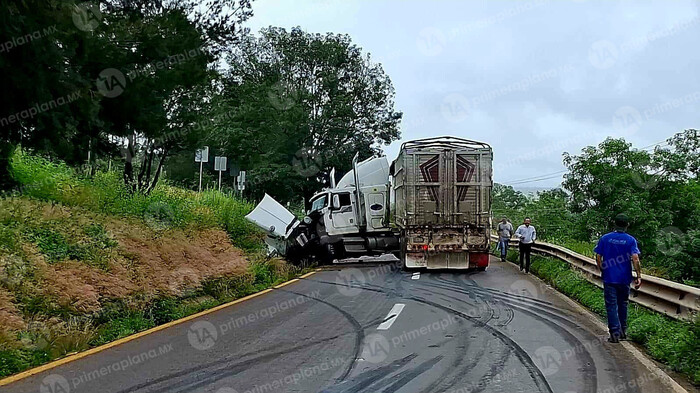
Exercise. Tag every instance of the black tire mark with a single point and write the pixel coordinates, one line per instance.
(503, 296)
(500, 293)
(509, 317)
(368, 378)
(457, 369)
(588, 365)
(495, 369)
(407, 376)
(532, 369)
(242, 364)
(359, 331)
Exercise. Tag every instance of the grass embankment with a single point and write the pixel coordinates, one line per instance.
(84, 262)
(672, 342)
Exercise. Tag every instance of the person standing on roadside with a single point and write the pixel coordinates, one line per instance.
(505, 232)
(616, 252)
(526, 234)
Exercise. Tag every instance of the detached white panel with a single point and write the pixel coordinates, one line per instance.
(272, 217)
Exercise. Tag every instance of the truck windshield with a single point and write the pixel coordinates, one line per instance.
(319, 203)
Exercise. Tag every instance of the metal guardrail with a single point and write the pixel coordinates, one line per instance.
(676, 300)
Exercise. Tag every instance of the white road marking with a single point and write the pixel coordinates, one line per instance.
(391, 317)
(415, 276)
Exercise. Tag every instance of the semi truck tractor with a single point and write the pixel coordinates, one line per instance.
(350, 218)
(442, 198)
(442, 189)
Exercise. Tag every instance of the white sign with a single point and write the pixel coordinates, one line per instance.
(241, 181)
(202, 155)
(220, 164)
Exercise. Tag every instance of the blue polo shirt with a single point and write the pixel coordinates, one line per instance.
(617, 249)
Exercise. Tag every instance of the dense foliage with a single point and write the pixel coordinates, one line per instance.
(132, 84)
(659, 190)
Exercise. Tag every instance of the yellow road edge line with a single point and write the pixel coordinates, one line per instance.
(124, 340)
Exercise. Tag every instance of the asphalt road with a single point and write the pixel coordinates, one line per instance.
(370, 329)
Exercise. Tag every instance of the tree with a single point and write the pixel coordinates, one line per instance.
(47, 102)
(80, 74)
(507, 202)
(166, 50)
(658, 190)
(301, 104)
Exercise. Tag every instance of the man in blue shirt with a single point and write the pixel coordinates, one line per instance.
(616, 252)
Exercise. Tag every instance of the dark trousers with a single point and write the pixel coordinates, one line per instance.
(616, 299)
(525, 250)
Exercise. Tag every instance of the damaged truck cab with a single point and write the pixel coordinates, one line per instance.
(350, 218)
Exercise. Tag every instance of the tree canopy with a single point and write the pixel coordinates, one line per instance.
(301, 104)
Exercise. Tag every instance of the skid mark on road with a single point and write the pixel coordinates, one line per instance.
(407, 376)
(359, 331)
(368, 378)
(535, 373)
(588, 367)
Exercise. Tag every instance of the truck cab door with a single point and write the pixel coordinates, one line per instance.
(342, 214)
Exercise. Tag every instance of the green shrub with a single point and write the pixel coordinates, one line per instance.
(52, 244)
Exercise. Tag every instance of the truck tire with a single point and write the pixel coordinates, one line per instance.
(327, 254)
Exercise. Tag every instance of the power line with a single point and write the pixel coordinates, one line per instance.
(535, 177)
(554, 175)
(534, 180)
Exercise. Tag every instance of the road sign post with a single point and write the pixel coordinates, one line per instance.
(201, 156)
(241, 182)
(220, 166)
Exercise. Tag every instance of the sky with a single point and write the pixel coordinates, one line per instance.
(532, 78)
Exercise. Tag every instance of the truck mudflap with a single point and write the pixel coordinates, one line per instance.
(447, 260)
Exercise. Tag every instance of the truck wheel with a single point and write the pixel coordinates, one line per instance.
(327, 254)
(331, 252)
(482, 268)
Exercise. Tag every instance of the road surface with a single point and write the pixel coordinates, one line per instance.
(371, 328)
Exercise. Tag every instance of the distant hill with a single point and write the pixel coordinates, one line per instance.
(532, 190)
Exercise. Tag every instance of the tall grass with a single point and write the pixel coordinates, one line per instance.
(52, 331)
(165, 207)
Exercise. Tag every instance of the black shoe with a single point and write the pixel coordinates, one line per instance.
(623, 335)
(613, 339)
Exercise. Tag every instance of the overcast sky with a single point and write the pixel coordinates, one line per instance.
(531, 78)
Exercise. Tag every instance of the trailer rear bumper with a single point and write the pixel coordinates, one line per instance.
(447, 260)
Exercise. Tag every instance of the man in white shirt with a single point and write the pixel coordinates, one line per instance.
(526, 234)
